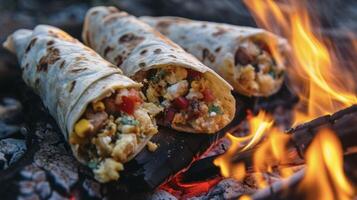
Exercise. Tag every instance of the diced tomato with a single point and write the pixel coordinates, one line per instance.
(128, 105)
(208, 95)
(181, 103)
(134, 96)
(169, 116)
(192, 74)
(130, 101)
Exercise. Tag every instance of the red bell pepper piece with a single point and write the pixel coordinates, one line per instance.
(208, 95)
(181, 103)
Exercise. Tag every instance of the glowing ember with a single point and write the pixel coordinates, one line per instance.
(183, 190)
(324, 177)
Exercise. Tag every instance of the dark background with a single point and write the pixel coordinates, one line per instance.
(337, 16)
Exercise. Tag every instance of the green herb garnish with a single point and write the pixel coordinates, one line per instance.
(92, 164)
(214, 108)
(129, 121)
(158, 76)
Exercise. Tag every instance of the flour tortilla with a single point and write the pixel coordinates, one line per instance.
(67, 75)
(215, 44)
(134, 46)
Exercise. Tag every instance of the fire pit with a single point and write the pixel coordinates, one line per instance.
(298, 143)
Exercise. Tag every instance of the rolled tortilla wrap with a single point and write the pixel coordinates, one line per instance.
(194, 97)
(85, 94)
(250, 59)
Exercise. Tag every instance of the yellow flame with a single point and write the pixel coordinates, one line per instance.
(324, 178)
(271, 153)
(323, 85)
(245, 197)
(258, 126)
(315, 72)
(228, 169)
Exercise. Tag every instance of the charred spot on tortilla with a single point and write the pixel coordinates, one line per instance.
(80, 58)
(73, 84)
(220, 31)
(207, 54)
(218, 49)
(78, 70)
(163, 24)
(142, 64)
(118, 60)
(51, 42)
(107, 50)
(62, 64)
(142, 52)
(32, 42)
(157, 51)
(53, 55)
(43, 65)
(128, 38)
(172, 56)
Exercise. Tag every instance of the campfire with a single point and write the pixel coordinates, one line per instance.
(296, 143)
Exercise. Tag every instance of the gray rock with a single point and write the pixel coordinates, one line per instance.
(59, 164)
(11, 145)
(162, 195)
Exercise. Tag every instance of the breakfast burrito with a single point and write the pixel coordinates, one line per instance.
(100, 112)
(193, 97)
(250, 59)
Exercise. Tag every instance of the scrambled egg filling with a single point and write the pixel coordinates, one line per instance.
(186, 97)
(111, 129)
(257, 70)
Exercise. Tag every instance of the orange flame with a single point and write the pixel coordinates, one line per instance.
(270, 153)
(258, 126)
(323, 87)
(324, 178)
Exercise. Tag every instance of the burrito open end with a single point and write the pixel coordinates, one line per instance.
(250, 59)
(194, 98)
(101, 113)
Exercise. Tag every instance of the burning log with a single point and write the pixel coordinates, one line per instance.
(329, 182)
(341, 122)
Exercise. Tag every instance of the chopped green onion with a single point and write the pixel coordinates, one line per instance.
(129, 121)
(216, 109)
(158, 76)
(92, 164)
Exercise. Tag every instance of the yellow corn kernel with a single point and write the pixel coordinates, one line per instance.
(152, 146)
(83, 127)
(98, 106)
